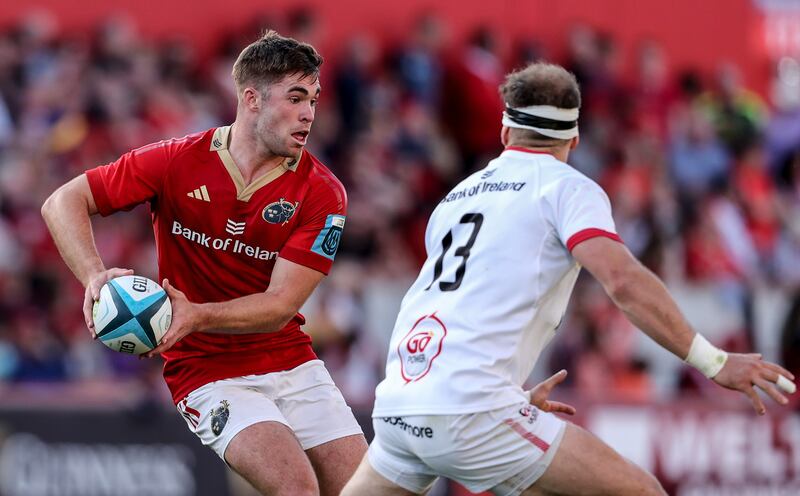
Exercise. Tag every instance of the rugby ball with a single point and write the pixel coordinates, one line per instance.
(132, 314)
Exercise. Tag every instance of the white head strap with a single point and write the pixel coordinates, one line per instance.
(547, 120)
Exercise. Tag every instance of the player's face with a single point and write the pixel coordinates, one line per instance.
(285, 119)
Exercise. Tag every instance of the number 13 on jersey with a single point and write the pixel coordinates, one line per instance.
(462, 251)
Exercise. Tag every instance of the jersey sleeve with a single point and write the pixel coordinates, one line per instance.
(134, 178)
(578, 210)
(315, 240)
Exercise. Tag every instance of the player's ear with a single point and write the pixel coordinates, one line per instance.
(251, 98)
(504, 134)
(573, 143)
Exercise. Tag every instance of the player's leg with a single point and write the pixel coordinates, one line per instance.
(269, 457)
(245, 428)
(322, 422)
(336, 461)
(366, 482)
(585, 465)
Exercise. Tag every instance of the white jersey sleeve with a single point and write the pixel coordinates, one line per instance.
(578, 209)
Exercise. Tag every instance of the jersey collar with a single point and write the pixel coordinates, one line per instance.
(220, 142)
(526, 150)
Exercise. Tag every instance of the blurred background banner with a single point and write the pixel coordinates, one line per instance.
(91, 452)
(690, 122)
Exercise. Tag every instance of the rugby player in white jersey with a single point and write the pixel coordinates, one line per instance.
(504, 251)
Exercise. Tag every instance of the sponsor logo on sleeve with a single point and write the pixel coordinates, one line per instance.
(327, 242)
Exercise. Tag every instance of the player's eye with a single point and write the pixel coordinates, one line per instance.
(314, 102)
(294, 99)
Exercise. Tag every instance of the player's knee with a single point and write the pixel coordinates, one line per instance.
(300, 487)
(648, 484)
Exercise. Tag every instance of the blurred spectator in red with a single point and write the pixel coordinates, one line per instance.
(471, 107)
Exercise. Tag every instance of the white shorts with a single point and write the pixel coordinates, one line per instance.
(503, 451)
(305, 399)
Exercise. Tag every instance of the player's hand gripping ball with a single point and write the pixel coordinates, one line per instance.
(132, 314)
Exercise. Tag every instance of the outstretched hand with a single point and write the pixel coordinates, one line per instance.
(186, 318)
(743, 371)
(538, 395)
(92, 293)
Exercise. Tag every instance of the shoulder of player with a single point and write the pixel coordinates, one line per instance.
(320, 177)
(175, 146)
(559, 174)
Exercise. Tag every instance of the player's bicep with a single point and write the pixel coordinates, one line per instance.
(75, 192)
(291, 283)
(608, 260)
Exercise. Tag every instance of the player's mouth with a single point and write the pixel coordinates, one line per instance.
(300, 137)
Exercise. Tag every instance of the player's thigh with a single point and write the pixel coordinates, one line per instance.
(268, 456)
(321, 421)
(336, 461)
(585, 465)
(366, 482)
(247, 430)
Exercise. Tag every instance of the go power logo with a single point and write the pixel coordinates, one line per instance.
(224, 244)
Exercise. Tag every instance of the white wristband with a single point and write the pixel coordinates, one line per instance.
(706, 357)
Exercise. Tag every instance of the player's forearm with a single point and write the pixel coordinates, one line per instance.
(67, 218)
(648, 305)
(246, 315)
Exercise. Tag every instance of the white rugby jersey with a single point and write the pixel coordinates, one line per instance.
(494, 288)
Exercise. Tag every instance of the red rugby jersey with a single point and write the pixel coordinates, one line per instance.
(218, 239)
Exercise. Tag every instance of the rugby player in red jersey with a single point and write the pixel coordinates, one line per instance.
(247, 223)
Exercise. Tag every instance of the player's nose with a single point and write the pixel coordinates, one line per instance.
(307, 114)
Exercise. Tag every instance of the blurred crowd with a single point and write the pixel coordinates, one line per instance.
(703, 175)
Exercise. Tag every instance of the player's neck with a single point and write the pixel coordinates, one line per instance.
(251, 161)
(559, 152)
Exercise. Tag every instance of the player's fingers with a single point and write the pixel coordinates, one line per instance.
(117, 272)
(112, 273)
(171, 290)
(155, 351)
(778, 370)
(94, 290)
(754, 398)
(557, 406)
(772, 392)
(783, 383)
(166, 343)
(88, 303)
(555, 379)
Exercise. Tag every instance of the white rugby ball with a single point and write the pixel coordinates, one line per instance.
(132, 314)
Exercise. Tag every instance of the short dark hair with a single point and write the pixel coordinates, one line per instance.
(540, 83)
(271, 58)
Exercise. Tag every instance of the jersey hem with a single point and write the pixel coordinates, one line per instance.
(439, 410)
(179, 393)
(310, 260)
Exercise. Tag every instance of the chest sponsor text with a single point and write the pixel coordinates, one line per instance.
(482, 187)
(222, 244)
